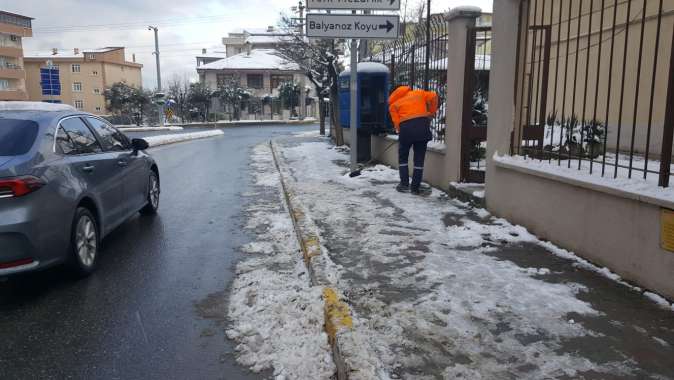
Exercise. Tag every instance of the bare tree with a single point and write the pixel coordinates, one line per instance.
(318, 60)
(178, 91)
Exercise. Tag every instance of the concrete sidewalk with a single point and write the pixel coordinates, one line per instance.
(441, 290)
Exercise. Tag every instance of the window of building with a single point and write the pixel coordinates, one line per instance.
(255, 81)
(75, 67)
(94, 73)
(77, 87)
(224, 79)
(4, 84)
(278, 79)
(79, 104)
(97, 91)
(91, 56)
(14, 38)
(98, 109)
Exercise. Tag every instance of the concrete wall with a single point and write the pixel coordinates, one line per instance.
(609, 229)
(612, 231)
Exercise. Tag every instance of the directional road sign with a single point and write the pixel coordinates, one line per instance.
(388, 5)
(377, 27)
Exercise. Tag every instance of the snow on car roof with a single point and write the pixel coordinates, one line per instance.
(34, 106)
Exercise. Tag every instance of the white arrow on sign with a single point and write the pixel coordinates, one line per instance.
(376, 27)
(389, 5)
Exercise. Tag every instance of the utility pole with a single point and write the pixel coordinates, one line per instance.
(364, 46)
(427, 72)
(156, 55)
(303, 85)
(353, 87)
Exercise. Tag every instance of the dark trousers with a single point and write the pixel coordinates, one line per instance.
(414, 134)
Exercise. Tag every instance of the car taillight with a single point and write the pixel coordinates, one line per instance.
(17, 263)
(18, 187)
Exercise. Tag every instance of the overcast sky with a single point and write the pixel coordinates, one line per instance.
(185, 26)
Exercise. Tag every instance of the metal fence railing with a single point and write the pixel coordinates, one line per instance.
(476, 104)
(596, 86)
(419, 59)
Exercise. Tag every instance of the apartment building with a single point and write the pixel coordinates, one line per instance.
(83, 76)
(13, 28)
(242, 40)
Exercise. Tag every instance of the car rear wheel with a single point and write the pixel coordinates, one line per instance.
(85, 242)
(153, 192)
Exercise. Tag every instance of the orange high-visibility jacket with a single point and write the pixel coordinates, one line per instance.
(407, 104)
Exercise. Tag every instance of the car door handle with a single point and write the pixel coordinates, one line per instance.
(88, 168)
(122, 163)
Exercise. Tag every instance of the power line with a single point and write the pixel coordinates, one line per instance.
(126, 26)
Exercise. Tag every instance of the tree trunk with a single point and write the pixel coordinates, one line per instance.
(321, 115)
(334, 100)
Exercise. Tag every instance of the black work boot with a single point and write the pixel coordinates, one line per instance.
(403, 188)
(421, 190)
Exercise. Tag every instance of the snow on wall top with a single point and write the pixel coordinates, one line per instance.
(34, 106)
(259, 59)
(368, 67)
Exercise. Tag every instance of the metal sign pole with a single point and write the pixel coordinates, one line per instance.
(354, 105)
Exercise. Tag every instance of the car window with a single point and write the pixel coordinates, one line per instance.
(112, 139)
(64, 143)
(17, 136)
(83, 139)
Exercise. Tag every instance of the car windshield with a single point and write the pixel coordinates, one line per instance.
(16, 136)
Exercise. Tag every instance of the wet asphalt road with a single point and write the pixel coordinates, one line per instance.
(156, 307)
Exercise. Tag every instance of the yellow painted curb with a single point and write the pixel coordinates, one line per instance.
(337, 314)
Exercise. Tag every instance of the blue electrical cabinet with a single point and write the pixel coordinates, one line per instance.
(373, 91)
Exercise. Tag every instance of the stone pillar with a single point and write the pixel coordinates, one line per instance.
(459, 20)
(502, 84)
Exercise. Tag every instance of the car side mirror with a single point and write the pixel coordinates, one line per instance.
(139, 144)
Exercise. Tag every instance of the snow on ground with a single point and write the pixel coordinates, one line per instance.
(180, 137)
(636, 185)
(276, 317)
(429, 298)
(147, 129)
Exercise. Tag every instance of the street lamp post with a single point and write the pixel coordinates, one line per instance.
(156, 55)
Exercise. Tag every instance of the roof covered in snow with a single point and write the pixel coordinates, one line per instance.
(34, 106)
(259, 59)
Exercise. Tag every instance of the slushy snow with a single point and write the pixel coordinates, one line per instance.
(276, 316)
(424, 293)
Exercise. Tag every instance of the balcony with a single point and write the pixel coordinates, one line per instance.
(13, 94)
(11, 71)
(11, 50)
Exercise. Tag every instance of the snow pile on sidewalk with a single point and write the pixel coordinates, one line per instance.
(147, 129)
(276, 317)
(429, 296)
(180, 137)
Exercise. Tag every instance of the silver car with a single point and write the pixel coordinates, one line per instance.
(67, 179)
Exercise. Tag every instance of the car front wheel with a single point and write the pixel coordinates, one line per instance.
(84, 242)
(152, 195)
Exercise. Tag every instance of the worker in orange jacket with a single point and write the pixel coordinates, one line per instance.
(411, 113)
